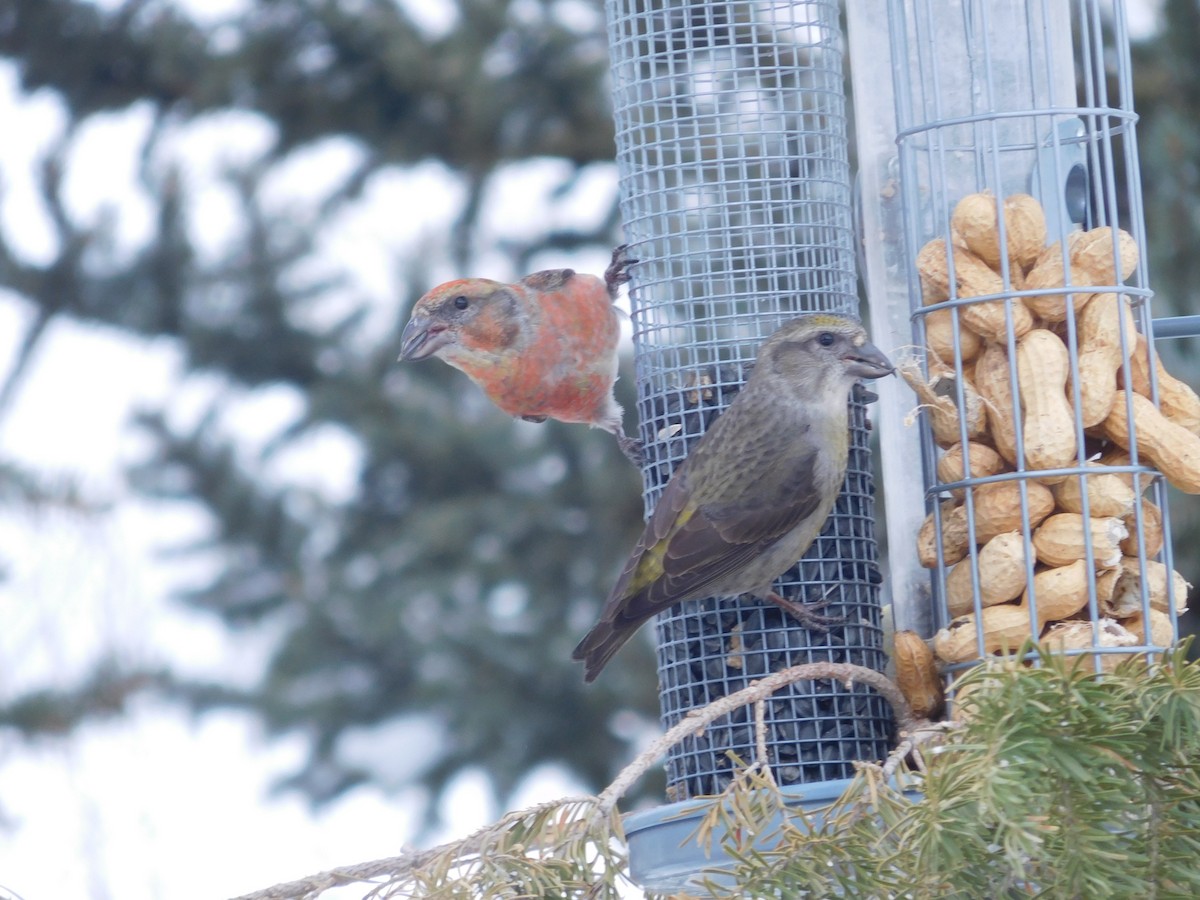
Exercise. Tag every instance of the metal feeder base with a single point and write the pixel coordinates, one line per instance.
(665, 856)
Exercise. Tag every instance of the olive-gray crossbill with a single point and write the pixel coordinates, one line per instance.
(754, 494)
(544, 347)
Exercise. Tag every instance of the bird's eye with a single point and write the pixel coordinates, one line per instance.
(461, 302)
(826, 339)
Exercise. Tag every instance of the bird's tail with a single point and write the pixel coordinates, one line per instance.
(598, 647)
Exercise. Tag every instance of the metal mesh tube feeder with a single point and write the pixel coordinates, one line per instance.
(736, 197)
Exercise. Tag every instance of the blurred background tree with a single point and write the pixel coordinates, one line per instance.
(450, 587)
(446, 588)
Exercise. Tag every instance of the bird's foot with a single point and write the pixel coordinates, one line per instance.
(632, 448)
(617, 272)
(864, 394)
(806, 613)
(537, 420)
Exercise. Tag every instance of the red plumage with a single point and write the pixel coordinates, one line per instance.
(544, 347)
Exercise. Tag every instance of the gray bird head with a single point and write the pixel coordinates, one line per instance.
(812, 350)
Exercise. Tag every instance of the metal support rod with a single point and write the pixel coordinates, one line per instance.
(1177, 327)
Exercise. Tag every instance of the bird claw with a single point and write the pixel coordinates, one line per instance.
(864, 394)
(617, 272)
(632, 448)
(806, 613)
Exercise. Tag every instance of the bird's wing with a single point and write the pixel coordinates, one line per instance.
(627, 608)
(722, 537)
(686, 548)
(549, 279)
(689, 546)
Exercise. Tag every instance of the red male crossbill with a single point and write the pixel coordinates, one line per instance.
(543, 348)
(754, 494)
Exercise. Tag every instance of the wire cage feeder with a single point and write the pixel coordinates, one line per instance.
(737, 197)
(1005, 240)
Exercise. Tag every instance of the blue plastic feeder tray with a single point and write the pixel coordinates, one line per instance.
(665, 856)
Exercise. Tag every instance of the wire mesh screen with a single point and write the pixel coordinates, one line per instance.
(735, 193)
(1024, 249)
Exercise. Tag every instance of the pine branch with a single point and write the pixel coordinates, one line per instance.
(591, 812)
(699, 719)
(1058, 780)
(397, 867)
